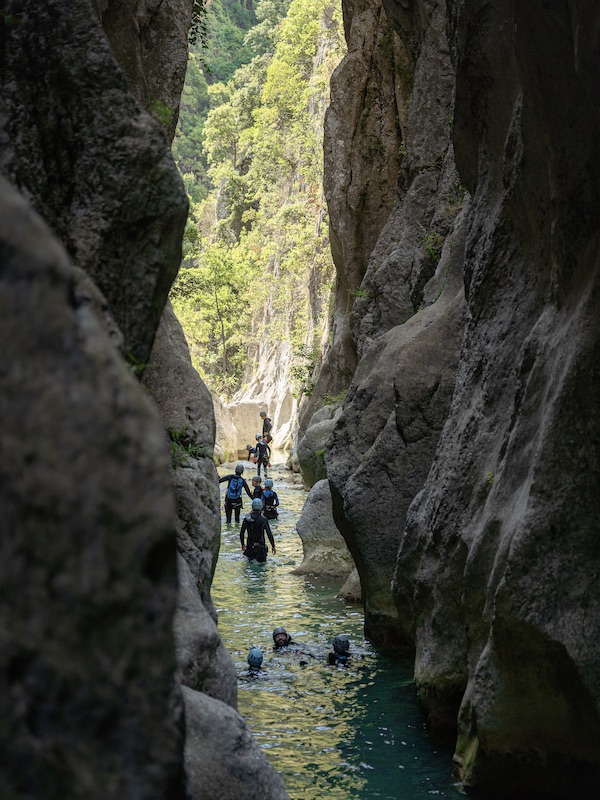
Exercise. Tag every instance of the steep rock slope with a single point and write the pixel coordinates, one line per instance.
(90, 702)
(485, 417)
(406, 320)
(501, 551)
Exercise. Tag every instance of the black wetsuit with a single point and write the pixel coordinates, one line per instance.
(337, 658)
(234, 504)
(266, 431)
(256, 526)
(263, 455)
(257, 491)
(270, 503)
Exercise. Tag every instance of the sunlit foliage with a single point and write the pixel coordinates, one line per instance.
(257, 260)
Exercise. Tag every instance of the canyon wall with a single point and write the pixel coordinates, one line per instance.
(467, 448)
(114, 679)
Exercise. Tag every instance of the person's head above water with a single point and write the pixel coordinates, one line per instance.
(257, 504)
(281, 637)
(341, 644)
(239, 468)
(255, 657)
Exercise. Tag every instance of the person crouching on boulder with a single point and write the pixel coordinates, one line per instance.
(252, 534)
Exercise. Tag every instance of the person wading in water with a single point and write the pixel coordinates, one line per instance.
(255, 526)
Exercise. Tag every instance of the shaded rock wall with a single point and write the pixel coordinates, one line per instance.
(407, 321)
(478, 425)
(93, 511)
(90, 161)
(507, 524)
(87, 577)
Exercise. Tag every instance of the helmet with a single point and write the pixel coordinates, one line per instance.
(239, 468)
(268, 483)
(341, 643)
(256, 479)
(255, 657)
(279, 630)
(249, 447)
(258, 436)
(263, 413)
(257, 504)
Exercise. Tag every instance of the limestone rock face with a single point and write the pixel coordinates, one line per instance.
(311, 447)
(90, 161)
(363, 154)
(90, 527)
(507, 523)
(218, 737)
(148, 38)
(325, 551)
(88, 543)
(407, 318)
(482, 422)
(382, 446)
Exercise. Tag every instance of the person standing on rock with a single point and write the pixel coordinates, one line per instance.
(267, 427)
(252, 534)
(263, 454)
(233, 494)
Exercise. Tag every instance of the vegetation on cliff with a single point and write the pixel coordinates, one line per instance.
(257, 264)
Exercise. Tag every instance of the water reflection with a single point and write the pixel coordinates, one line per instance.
(345, 733)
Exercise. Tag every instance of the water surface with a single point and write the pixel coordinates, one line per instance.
(342, 733)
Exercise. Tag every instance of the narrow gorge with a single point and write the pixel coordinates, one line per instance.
(451, 427)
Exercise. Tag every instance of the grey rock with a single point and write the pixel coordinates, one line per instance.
(92, 163)
(88, 543)
(325, 551)
(222, 758)
(203, 662)
(507, 522)
(311, 447)
(351, 591)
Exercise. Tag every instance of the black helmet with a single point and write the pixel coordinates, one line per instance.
(255, 657)
(239, 468)
(341, 643)
(263, 413)
(279, 630)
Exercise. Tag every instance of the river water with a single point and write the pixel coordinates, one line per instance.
(342, 733)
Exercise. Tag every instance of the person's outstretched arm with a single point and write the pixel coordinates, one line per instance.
(248, 492)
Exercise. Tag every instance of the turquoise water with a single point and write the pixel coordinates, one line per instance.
(344, 733)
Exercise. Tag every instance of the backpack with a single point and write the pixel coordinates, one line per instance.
(234, 488)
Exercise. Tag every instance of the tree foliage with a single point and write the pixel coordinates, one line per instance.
(257, 260)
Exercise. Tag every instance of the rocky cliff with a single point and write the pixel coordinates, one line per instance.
(467, 448)
(102, 618)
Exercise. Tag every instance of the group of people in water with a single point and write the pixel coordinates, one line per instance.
(282, 641)
(255, 530)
